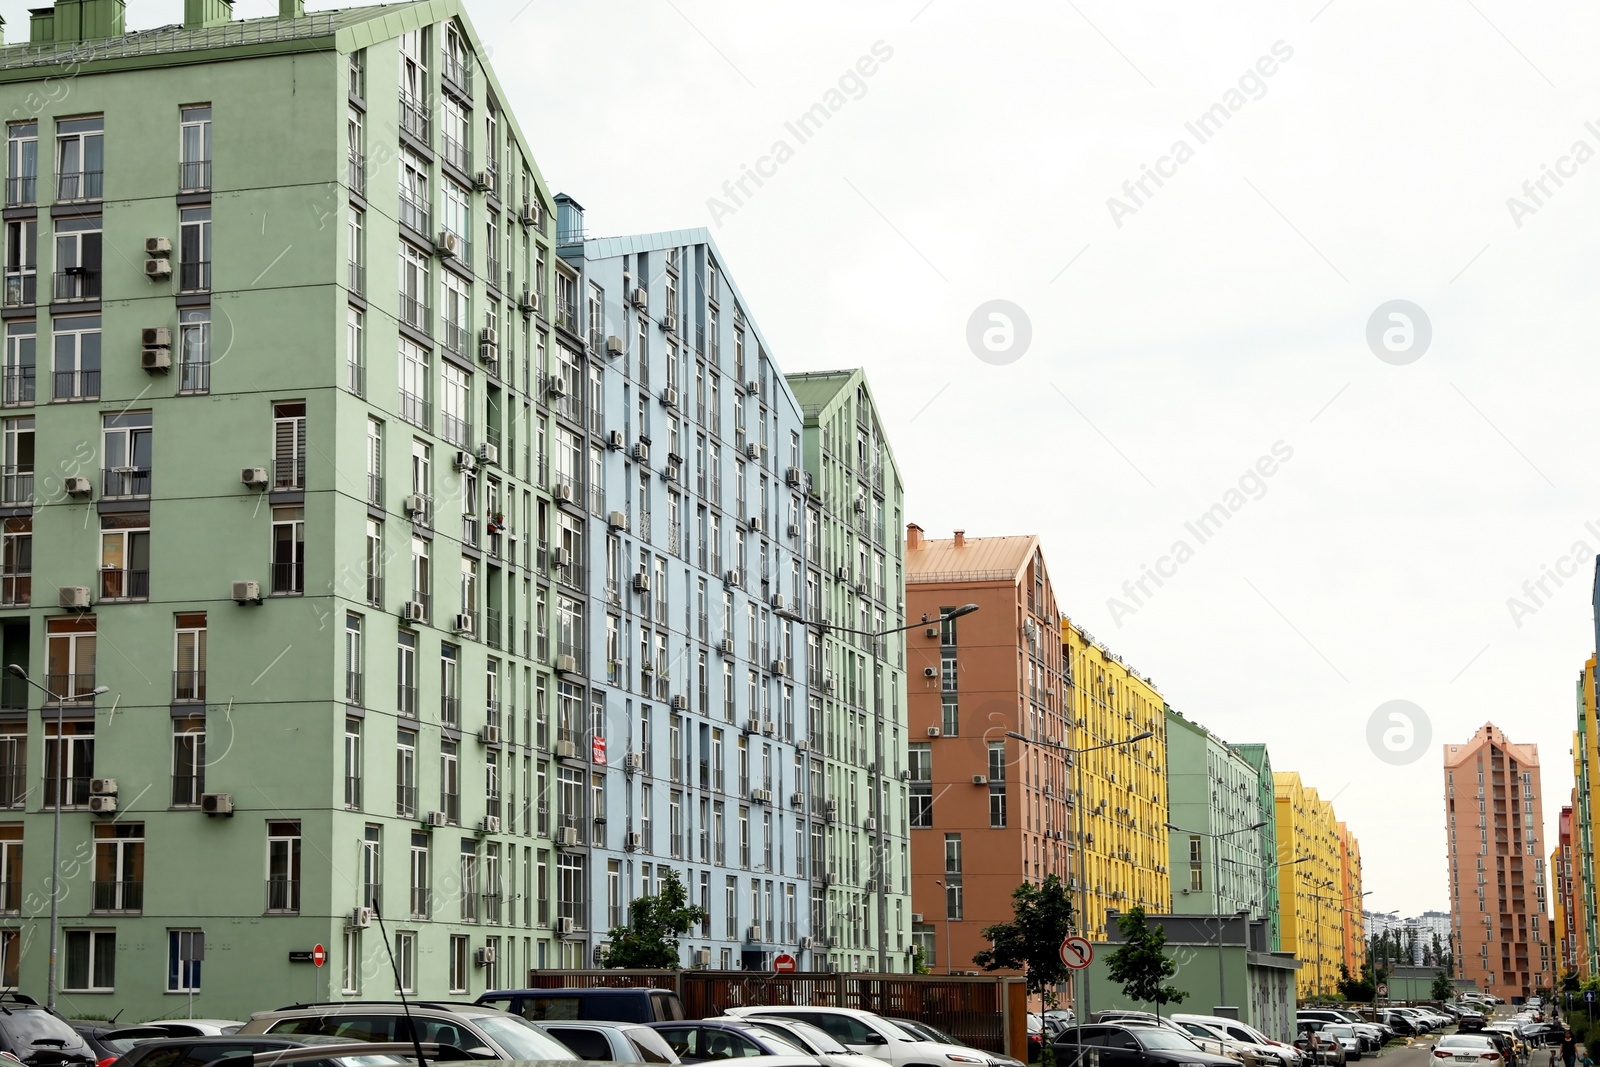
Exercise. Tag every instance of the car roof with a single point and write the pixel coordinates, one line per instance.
(393, 1007)
(572, 990)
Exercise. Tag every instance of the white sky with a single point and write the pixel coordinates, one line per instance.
(1227, 314)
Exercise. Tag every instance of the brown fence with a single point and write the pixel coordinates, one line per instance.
(973, 1011)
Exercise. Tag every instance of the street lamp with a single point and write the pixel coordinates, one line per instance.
(949, 960)
(1216, 891)
(16, 671)
(878, 782)
(1083, 874)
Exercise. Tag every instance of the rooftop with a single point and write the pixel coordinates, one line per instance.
(968, 559)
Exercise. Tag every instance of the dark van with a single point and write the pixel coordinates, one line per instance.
(632, 1005)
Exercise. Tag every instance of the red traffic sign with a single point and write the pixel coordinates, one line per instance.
(784, 963)
(319, 955)
(1076, 952)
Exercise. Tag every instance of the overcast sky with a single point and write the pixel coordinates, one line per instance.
(1357, 153)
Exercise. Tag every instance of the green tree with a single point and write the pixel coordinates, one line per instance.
(1355, 989)
(1031, 941)
(1443, 988)
(919, 960)
(650, 940)
(1142, 965)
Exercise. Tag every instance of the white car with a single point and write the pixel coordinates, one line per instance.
(1212, 1039)
(1346, 1035)
(1469, 1050)
(807, 1037)
(1267, 1050)
(864, 1031)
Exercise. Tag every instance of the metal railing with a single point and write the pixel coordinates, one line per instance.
(417, 215)
(79, 185)
(194, 276)
(406, 700)
(453, 336)
(16, 587)
(22, 290)
(416, 313)
(450, 710)
(405, 801)
(194, 176)
(74, 792)
(16, 485)
(421, 902)
(356, 173)
(20, 192)
(189, 684)
(118, 896)
(194, 376)
(283, 894)
(77, 384)
(356, 377)
(456, 154)
(117, 583)
(125, 481)
(77, 283)
(414, 117)
(289, 577)
(357, 278)
(416, 410)
(354, 683)
(187, 790)
(165, 41)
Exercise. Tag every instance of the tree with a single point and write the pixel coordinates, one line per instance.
(654, 925)
(1355, 989)
(919, 960)
(1141, 965)
(1443, 988)
(1031, 941)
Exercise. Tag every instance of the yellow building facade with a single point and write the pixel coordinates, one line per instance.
(1119, 790)
(1311, 883)
(1352, 916)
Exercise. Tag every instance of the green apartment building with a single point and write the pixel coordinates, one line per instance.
(276, 308)
(855, 571)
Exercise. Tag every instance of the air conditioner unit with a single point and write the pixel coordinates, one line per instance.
(640, 298)
(861, 505)
(680, 702)
(465, 460)
(870, 826)
(641, 583)
(78, 486)
(805, 944)
(489, 735)
(761, 796)
(780, 666)
(753, 524)
(613, 345)
(641, 453)
(633, 841)
(617, 520)
(753, 386)
(437, 818)
(932, 631)
(562, 493)
(751, 726)
(702, 957)
(669, 323)
(753, 934)
(670, 472)
(567, 664)
(247, 592)
(556, 386)
(489, 825)
(830, 810)
(464, 624)
(797, 800)
(802, 745)
(445, 245)
(566, 750)
(489, 336)
(158, 246)
(74, 597)
(633, 762)
(827, 682)
(103, 805)
(567, 836)
(794, 530)
(216, 803)
(980, 779)
(731, 578)
(669, 397)
(526, 215)
(560, 557)
(930, 672)
(155, 337)
(614, 440)
(103, 787)
(769, 728)
(489, 454)
(415, 505)
(725, 646)
(528, 301)
(157, 270)
(359, 918)
(563, 927)
(777, 601)
(793, 476)
(485, 956)
(752, 450)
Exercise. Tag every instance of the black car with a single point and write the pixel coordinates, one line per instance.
(194, 1051)
(1471, 1023)
(38, 1036)
(1109, 1045)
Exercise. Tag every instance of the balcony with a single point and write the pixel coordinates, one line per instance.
(415, 213)
(456, 154)
(289, 576)
(283, 894)
(77, 385)
(77, 283)
(188, 685)
(456, 430)
(416, 410)
(117, 583)
(453, 337)
(356, 276)
(16, 486)
(22, 192)
(121, 897)
(79, 185)
(406, 700)
(22, 290)
(194, 376)
(194, 176)
(356, 172)
(414, 117)
(416, 313)
(458, 73)
(125, 481)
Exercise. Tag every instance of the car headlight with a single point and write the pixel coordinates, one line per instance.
(959, 1058)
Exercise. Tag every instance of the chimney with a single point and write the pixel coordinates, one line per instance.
(961, 539)
(198, 13)
(69, 20)
(913, 537)
(103, 18)
(41, 25)
(291, 9)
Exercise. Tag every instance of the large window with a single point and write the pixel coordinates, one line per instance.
(455, 409)
(70, 651)
(194, 350)
(18, 385)
(119, 867)
(405, 775)
(355, 672)
(420, 900)
(194, 250)
(22, 263)
(288, 549)
(997, 783)
(289, 445)
(80, 158)
(127, 438)
(283, 865)
(354, 760)
(16, 461)
(79, 246)
(189, 657)
(188, 760)
(185, 953)
(194, 148)
(414, 407)
(22, 163)
(953, 904)
(414, 202)
(91, 961)
(406, 675)
(125, 556)
(921, 771)
(77, 357)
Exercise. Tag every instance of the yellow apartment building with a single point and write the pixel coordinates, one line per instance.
(1311, 890)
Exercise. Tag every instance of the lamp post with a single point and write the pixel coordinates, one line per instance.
(878, 779)
(949, 960)
(1083, 874)
(16, 671)
(1216, 891)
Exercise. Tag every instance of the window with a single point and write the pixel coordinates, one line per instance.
(79, 244)
(350, 971)
(406, 675)
(119, 867)
(194, 148)
(194, 350)
(997, 784)
(372, 565)
(415, 210)
(952, 876)
(405, 776)
(355, 351)
(921, 761)
(454, 405)
(458, 963)
(355, 155)
(414, 406)
(10, 867)
(354, 760)
(77, 357)
(414, 85)
(354, 659)
(289, 445)
(356, 251)
(91, 961)
(22, 163)
(22, 263)
(70, 650)
(283, 865)
(450, 781)
(126, 440)
(449, 685)
(357, 74)
(80, 158)
(405, 960)
(16, 453)
(14, 784)
(420, 899)
(372, 867)
(189, 657)
(456, 218)
(194, 250)
(288, 549)
(19, 371)
(188, 760)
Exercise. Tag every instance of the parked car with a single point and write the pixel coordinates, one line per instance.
(619, 1042)
(1118, 1045)
(209, 1048)
(812, 1039)
(93, 1034)
(1347, 1037)
(481, 1032)
(1471, 1022)
(1519, 1044)
(637, 1004)
(699, 1040)
(1504, 1044)
(38, 1036)
(928, 1032)
(864, 1031)
(1468, 1050)
(1318, 1048)
(1268, 1050)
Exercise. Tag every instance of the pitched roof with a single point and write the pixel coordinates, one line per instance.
(977, 559)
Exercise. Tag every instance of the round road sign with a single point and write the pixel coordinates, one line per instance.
(319, 955)
(1076, 952)
(784, 963)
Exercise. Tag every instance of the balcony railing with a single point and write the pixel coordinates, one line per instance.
(406, 700)
(194, 276)
(187, 790)
(456, 154)
(415, 213)
(283, 894)
(194, 376)
(453, 336)
(16, 485)
(357, 173)
(189, 685)
(450, 710)
(77, 384)
(357, 277)
(289, 576)
(456, 430)
(416, 313)
(16, 587)
(117, 583)
(356, 377)
(421, 902)
(77, 283)
(125, 481)
(405, 801)
(119, 896)
(194, 176)
(414, 117)
(353, 685)
(74, 792)
(416, 410)
(21, 192)
(78, 185)
(22, 289)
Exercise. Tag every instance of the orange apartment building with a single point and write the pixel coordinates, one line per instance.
(1499, 911)
(987, 811)
(1353, 919)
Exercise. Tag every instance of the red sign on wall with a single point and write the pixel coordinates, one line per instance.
(598, 751)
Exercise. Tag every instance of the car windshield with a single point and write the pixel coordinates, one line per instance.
(522, 1039)
(1162, 1038)
(819, 1038)
(780, 1045)
(895, 1032)
(39, 1027)
(931, 1033)
(1463, 1041)
(1339, 1030)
